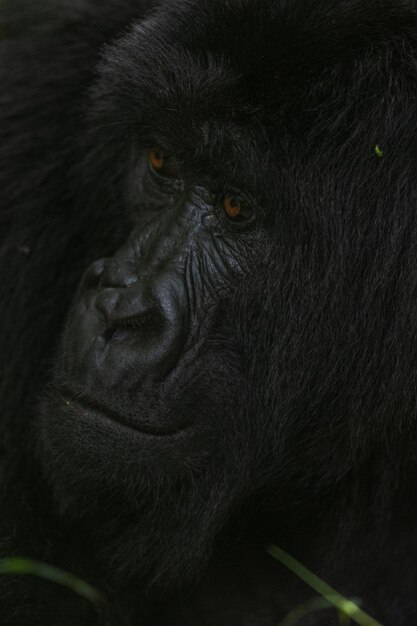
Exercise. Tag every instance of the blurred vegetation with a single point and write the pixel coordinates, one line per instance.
(19, 565)
(347, 609)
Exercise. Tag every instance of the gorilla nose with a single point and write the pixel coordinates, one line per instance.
(125, 309)
(143, 320)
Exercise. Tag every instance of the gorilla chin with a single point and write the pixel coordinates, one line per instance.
(135, 447)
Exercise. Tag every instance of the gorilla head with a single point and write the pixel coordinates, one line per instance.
(239, 354)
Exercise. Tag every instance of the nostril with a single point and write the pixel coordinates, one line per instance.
(136, 322)
(122, 329)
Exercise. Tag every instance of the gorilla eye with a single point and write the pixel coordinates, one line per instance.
(162, 165)
(237, 210)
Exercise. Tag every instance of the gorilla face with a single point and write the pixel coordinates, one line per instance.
(149, 337)
(142, 322)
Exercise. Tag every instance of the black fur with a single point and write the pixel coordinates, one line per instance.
(315, 447)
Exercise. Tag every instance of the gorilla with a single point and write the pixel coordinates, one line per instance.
(208, 223)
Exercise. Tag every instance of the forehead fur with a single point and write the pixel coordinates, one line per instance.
(272, 45)
(234, 58)
(214, 79)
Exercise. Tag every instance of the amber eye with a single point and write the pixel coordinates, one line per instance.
(236, 209)
(161, 164)
(156, 158)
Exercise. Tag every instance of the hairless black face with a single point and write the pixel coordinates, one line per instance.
(140, 328)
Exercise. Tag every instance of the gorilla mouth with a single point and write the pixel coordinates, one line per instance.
(93, 409)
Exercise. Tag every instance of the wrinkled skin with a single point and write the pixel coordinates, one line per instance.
(182, 381)
(141, 317)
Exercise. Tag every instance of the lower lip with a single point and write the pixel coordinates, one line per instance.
(97, 411)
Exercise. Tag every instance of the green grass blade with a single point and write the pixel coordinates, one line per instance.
(342, 604)
(301, 611)
(19, 565)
